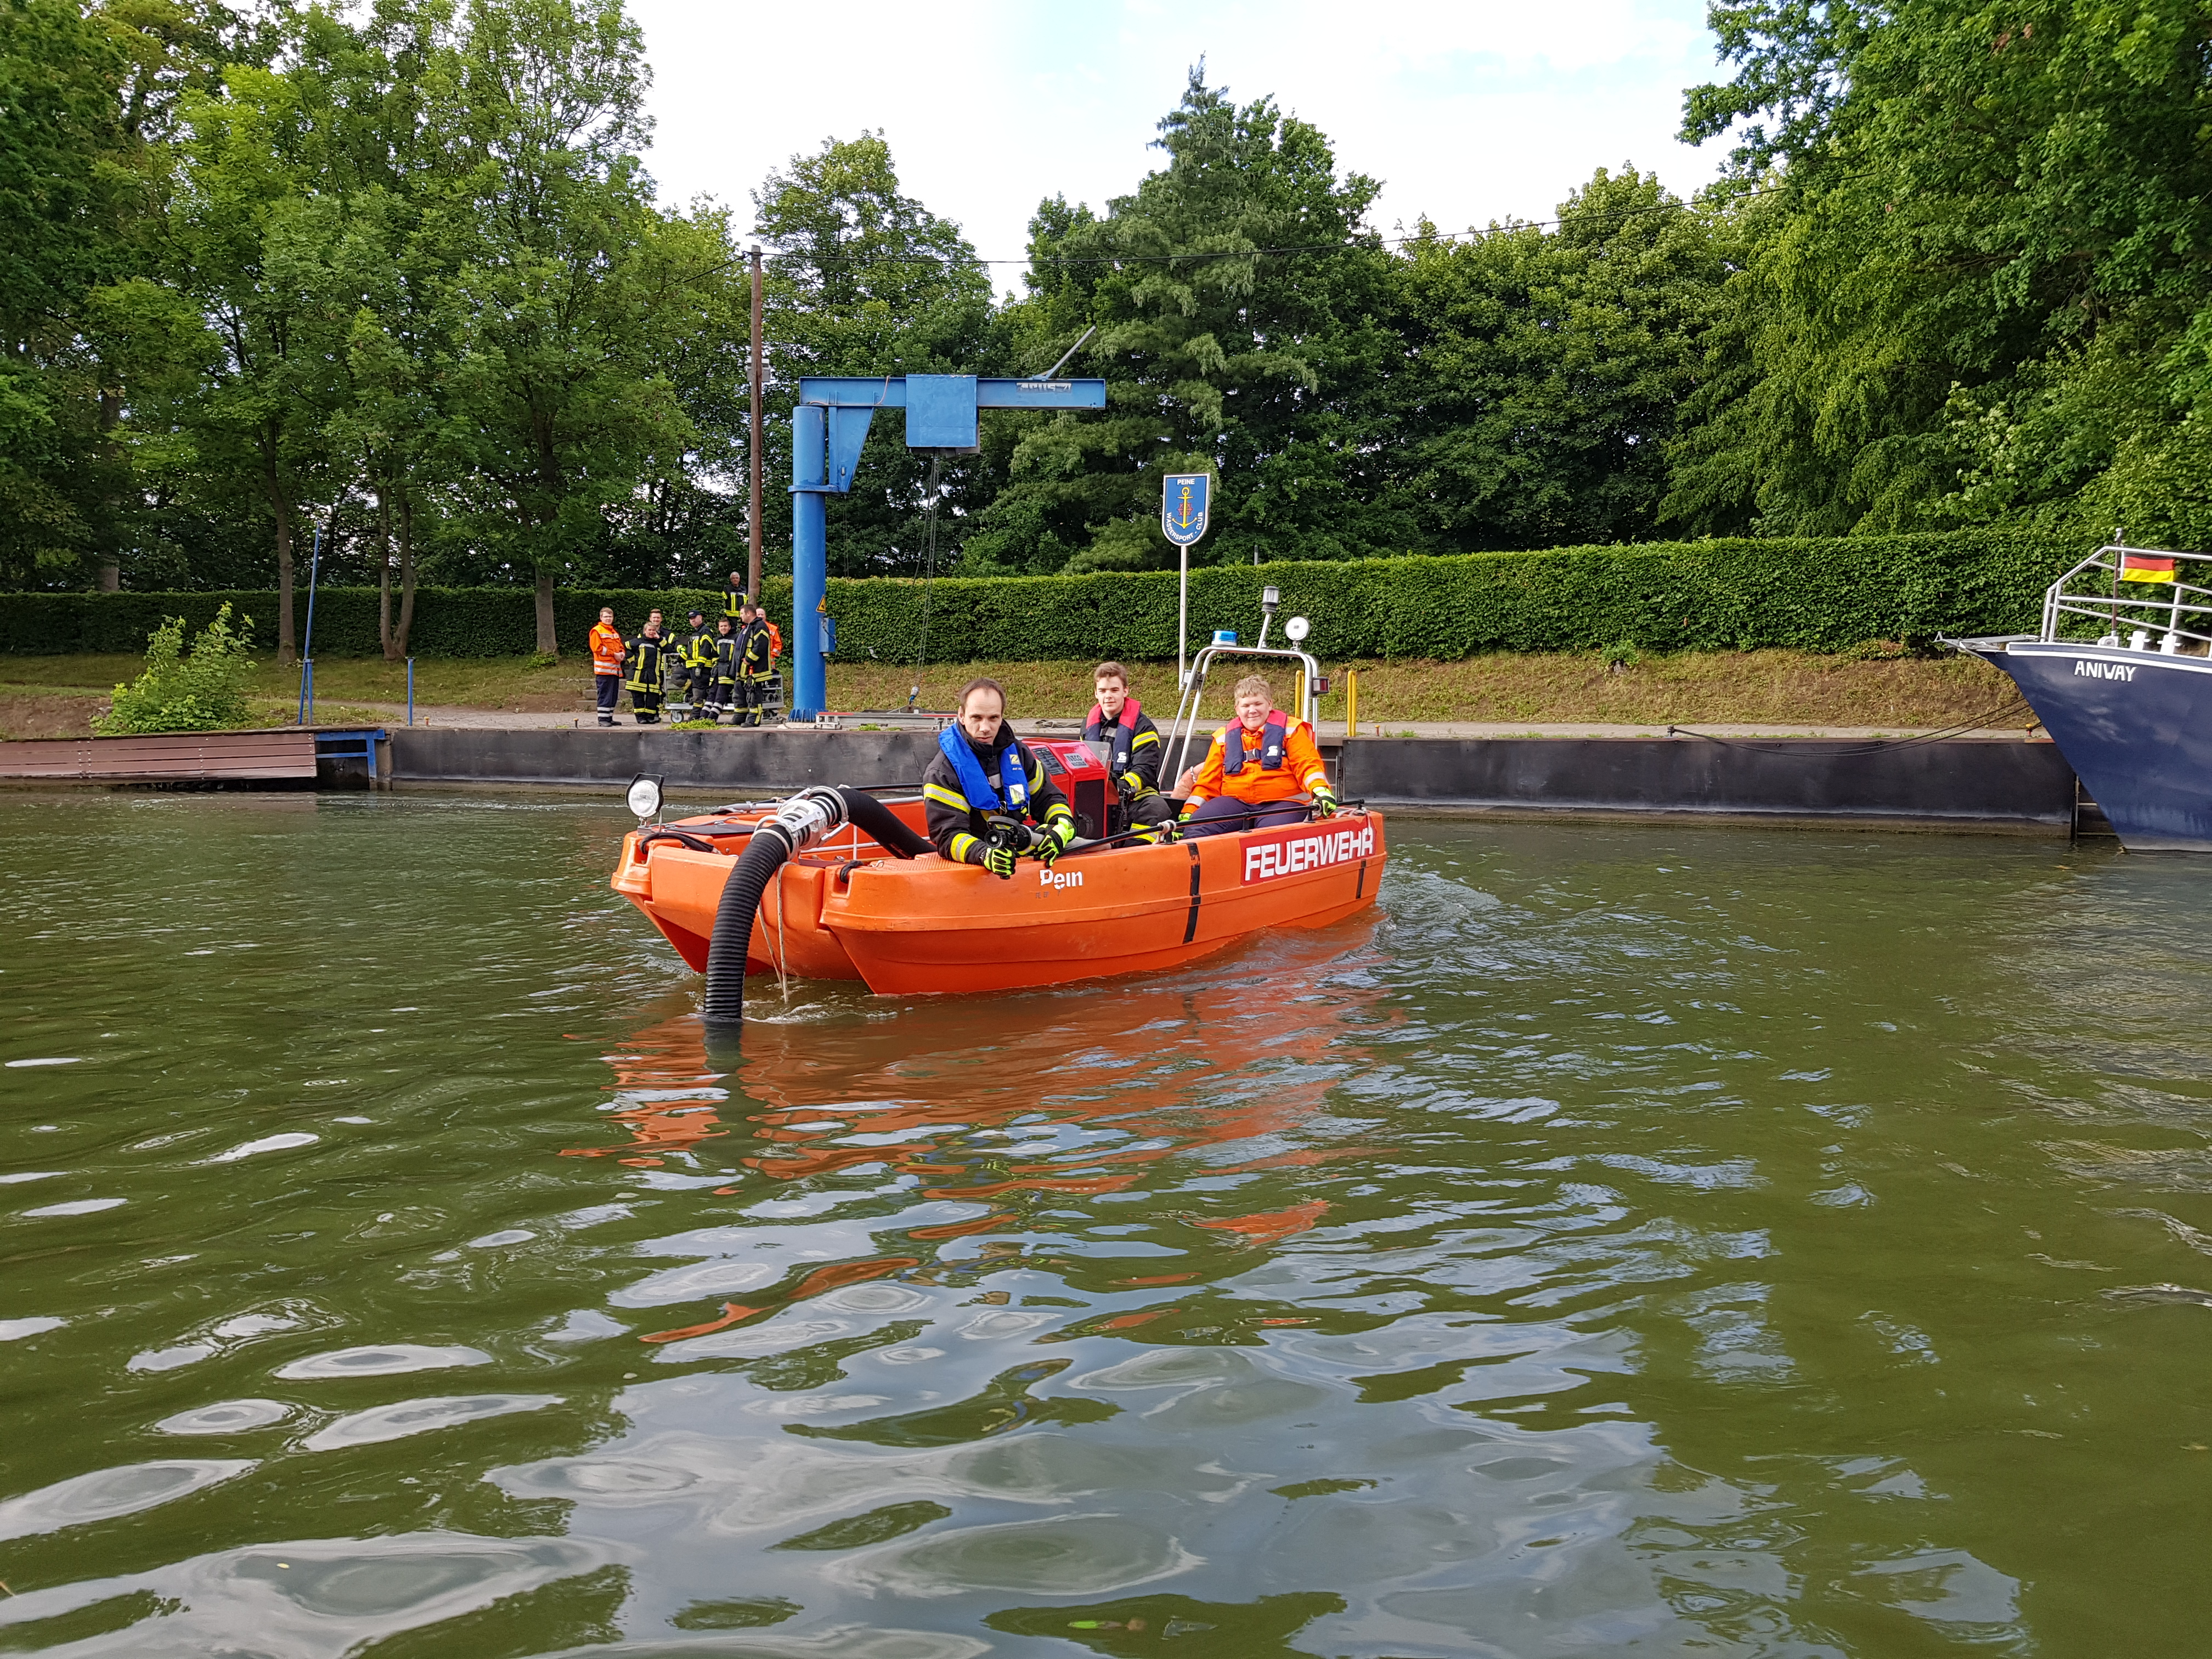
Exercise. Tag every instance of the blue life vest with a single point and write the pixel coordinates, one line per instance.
(1270, 743)
(981, 792)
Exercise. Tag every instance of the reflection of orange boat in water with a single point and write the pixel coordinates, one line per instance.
(835, 884)
(1138, 1081)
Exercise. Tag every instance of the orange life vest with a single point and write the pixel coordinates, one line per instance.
(1295, 767)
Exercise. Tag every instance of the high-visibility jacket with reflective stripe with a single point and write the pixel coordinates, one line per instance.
(606, 649)
(960, 830)
(754, 659)
(644, 663)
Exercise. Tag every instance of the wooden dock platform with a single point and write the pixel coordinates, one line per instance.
(273, 756)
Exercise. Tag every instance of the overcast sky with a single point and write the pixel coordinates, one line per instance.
(1467, 112)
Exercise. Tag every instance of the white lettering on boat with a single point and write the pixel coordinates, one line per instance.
(1294, 851)
(1049, 878)
(2104, 671)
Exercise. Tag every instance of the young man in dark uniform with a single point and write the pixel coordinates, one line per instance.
(1132, 745)
(755, 662)
(645, 661)
(725, 670)
(982, 781)
(699, 665)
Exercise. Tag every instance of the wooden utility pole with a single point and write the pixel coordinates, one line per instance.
(753, 447)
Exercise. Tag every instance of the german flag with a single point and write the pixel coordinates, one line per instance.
(2146, 567)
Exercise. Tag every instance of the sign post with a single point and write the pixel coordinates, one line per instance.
(1185, 501)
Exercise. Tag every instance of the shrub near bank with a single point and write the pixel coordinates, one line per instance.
(1822, 595)
(200, 690)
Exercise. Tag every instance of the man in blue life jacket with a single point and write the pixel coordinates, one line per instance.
(1133, 747)
(989, 799)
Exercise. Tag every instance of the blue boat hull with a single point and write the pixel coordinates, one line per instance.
(2137, 729)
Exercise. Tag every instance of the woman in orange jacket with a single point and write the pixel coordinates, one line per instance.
(1259, 766)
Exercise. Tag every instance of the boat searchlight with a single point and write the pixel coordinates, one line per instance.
(1296, 629)
(644, 797)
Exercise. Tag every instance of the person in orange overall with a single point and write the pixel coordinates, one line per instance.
(607, 663)
(1259, 766)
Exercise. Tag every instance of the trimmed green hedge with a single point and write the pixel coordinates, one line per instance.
(1811, 595)
(449, 622)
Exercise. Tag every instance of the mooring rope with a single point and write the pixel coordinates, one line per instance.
(782, 952)
(1880, 745)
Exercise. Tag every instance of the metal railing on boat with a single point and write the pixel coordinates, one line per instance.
(2181, 619)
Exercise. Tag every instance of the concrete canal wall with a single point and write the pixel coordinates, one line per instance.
(1988, 785)
(1995, 785)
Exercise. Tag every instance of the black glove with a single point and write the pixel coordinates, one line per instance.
(1132, 784)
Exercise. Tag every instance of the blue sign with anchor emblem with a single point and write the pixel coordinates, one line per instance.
(1183, 502)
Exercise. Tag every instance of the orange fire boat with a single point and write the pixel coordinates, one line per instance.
(835, 884)
(846, 905)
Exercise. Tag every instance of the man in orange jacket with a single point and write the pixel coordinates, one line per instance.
(607, 664)
(1261, 763)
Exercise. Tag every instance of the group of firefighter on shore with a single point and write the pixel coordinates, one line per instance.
(990, 800)
(728, 669)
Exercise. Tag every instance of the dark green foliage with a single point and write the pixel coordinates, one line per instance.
(63, 189)
(862, 279)
(395, 272)
(449, 622)
(1982, 289)
(1224, 358)
(1741, 594)
(1545, 370)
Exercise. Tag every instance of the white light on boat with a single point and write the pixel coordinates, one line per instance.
(1296, 629)
(644, 798)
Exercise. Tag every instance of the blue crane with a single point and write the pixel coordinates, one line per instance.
(828, 427)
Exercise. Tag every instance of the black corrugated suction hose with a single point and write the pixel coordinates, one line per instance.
(723, 1007)
(882, 825)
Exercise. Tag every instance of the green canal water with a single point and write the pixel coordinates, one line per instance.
(1628, 1241)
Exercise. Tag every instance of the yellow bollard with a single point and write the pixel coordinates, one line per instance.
(1350, 703)
(1298, 693)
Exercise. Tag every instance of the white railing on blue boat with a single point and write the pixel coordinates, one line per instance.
(2177, 616)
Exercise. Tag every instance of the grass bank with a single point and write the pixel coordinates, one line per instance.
(60, 697)
(1782, 687)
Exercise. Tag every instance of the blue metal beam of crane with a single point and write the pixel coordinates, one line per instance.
(828, 427)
